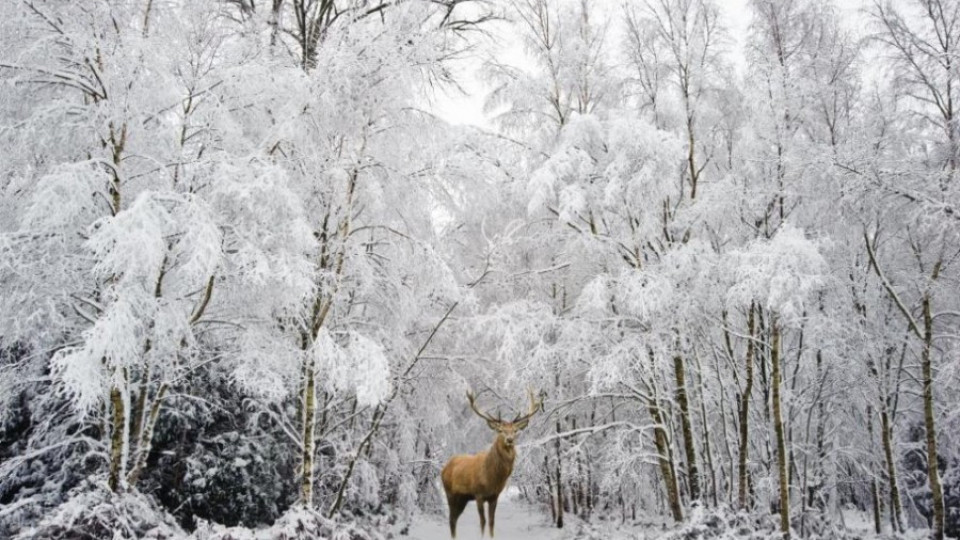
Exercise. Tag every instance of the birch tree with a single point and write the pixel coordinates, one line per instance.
(920, 40)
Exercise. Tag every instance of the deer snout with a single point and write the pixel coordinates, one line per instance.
(508, 439)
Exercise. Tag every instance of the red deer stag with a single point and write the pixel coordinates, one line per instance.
(482, 476)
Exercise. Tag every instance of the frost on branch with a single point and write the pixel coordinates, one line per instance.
(130, 247)
(268, 235)
(601, 163)
(115, 341)
(265, 364)
(595, 297)
(359, 365)
(198, 248)
(779, 273)
(67, 199)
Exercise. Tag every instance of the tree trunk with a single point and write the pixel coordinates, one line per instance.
(590, 501)
(322, 306)
(745, 412)
(308, 404)
(553, 504)
(728, 473)
(933, 472)
(665, 459)
(877, 521)
(707, 450)
(874, 490)
(578, 499)
(145, 440)
(274, 22)
(138, 416)
(886, 435)
(778, 427)
(559, 480)
(146, 18)
(118, 439)
(693, 476)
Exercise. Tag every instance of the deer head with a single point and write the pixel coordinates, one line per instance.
(507, 431)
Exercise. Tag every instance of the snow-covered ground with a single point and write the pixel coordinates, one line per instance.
(516, 520)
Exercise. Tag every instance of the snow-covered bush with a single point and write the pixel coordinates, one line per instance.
(92, 511)
(298, 523)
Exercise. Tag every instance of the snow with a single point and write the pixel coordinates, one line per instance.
(516, 520)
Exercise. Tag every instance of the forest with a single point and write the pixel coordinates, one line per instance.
(256, 283)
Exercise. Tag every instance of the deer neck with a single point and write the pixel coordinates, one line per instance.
(500, 458)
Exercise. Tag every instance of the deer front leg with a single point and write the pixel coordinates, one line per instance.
(483, 519)
(492, 510)
(457, 504)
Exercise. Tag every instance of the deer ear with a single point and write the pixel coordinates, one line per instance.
(522, 424)
(494, 425)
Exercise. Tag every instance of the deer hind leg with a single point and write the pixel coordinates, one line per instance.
(483, 519)
(492, 511)
(457, 504)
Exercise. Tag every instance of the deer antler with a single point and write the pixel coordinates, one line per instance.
(471, 397)
(535, 406)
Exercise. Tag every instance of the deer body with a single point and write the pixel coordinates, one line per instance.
(482, 476)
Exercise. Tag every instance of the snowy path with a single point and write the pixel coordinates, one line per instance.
(515, 521)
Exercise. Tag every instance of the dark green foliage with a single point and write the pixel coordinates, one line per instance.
(45, 451)
(213, 460)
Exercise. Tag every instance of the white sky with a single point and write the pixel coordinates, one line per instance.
(468, 109)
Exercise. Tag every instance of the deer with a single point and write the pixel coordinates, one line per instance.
(482, 476)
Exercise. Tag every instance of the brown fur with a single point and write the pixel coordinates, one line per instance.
(483, 474)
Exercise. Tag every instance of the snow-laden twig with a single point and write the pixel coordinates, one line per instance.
(592, 430)
(914, 327)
